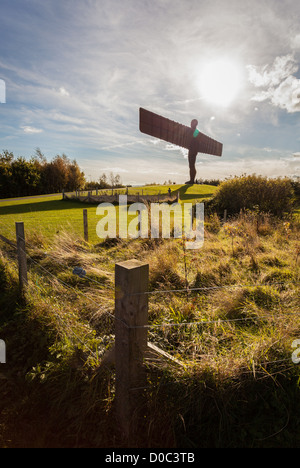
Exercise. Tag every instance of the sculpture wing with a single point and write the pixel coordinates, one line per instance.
(176, 133)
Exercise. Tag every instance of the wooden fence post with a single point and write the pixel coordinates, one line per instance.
(85, 225)
(131, 318)
(225, 216)
(22, 259)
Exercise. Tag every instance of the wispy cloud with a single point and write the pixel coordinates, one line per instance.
(31, 130)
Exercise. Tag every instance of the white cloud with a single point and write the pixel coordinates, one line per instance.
(272, 76)
(277, 83)
(295, 42)
(121, 145)
(287, 95)
(114, 169)
(64, 92)
(31, 130)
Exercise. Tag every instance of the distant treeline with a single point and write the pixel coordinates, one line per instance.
(20, 177)
(214, 182)
(111, 181)
(198, 181)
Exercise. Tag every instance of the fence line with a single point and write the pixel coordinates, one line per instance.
(7, 241)
(183, 290)
(164, 325)
(208, 288)
(182, 324)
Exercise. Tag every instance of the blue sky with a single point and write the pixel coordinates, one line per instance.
(77, 71)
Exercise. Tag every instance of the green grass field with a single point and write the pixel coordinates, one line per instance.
(50, 215)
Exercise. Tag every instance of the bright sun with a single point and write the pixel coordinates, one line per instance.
(220, 82)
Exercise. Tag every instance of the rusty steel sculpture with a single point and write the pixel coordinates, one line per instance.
(186, 137)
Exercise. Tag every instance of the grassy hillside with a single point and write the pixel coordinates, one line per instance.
(233, 332)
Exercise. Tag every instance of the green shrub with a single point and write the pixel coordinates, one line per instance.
(296, 187)
(275, 196)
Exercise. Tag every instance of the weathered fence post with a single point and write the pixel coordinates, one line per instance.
(22, 259)
(85, 225)
(131, 319)
(225, 216)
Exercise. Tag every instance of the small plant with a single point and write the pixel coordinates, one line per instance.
(232, 231)
(213, 223)
(297, 253)
(287, 228)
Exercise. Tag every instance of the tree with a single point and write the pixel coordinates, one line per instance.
(6, 159)
(39, 156)
(115, 180)
(20, 177)
(118, 182)
(56, 174)
(76, 178)
(25, 177)
(103, 181)
(112, 179)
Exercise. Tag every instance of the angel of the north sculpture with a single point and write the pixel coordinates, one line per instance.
(181, 135)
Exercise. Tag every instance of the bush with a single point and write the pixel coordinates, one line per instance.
(275, 196)
(296, 187)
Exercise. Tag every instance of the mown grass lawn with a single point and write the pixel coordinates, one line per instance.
(47, 216)
(51, 215)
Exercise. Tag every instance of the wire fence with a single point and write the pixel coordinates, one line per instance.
(185, 290)
(109, 290)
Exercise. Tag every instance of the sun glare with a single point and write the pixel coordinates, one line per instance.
(220, 82)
